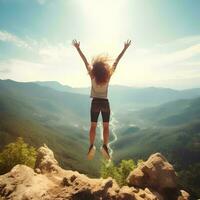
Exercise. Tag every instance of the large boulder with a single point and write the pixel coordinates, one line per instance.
(157, 174)
(23, 183)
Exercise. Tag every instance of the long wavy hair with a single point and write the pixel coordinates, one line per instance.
(101, 69)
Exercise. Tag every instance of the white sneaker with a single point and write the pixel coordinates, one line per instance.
(91, 152)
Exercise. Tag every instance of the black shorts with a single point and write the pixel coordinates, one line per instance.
(100, 105)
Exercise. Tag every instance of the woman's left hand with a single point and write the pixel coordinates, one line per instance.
(127, 44)
(75, 43)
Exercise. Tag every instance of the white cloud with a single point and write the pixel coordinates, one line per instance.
(161, 64)
(48, 53)
(165, 59)
(188, 40)
(9, 37)
(179, 43)
(54, 54)
(22, 70)
(5, 70)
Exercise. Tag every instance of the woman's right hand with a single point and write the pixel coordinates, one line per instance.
(76, 44)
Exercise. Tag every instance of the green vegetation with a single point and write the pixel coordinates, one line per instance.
(118, 172)
(15, 153)
(173, 113)
(189, 179)
(43, 115)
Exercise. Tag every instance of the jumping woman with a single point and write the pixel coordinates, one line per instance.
(100, 72)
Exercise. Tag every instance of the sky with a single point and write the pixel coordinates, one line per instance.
(36, 36)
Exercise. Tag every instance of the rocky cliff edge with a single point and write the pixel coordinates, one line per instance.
(154, 179)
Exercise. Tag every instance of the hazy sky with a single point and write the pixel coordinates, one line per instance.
(36, 35)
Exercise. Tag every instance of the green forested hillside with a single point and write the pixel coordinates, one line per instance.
(141, 143)
(172, 129)
(173, 113)
(181, 146)
(42, 115)
(44, 99)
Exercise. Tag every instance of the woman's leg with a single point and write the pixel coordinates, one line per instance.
(106, 118)
(94, 114)
(105, 132)
(92, 132)
(104, 148)
(105, 111)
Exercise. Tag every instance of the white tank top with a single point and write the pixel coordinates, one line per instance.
(99, 91)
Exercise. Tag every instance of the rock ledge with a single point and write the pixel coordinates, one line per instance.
(154, 179)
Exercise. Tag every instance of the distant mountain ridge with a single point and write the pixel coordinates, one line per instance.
(55, 85)
(132, 97)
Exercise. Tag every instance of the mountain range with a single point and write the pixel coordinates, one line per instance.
(131, 98)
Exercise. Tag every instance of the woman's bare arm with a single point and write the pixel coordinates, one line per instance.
(77, 46)
(126, 45)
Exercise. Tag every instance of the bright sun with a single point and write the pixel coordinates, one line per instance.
(107, 15)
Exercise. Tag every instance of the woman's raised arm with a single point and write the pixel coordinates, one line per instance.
(126, 45)
(76, 44)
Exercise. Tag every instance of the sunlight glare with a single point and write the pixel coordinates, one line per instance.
(107, 15)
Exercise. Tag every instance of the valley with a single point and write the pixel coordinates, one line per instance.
(143, 121)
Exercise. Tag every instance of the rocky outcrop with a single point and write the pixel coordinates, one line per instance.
(46, 161)
(152, 180)
(159, 175)
(156, 173)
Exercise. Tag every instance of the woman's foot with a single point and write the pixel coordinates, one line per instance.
(91, 152)
(104, 151)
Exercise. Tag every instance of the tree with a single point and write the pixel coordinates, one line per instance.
(125, 167)
(108, 169)
(15, 153)
(120, 172)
